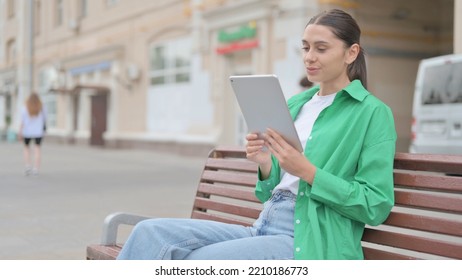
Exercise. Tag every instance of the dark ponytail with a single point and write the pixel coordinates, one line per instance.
(357, 69)
(346, 29)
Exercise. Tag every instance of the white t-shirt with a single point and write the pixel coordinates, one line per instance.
(32, 125)
(304, 124)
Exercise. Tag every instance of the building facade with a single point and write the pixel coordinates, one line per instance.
(154, 74)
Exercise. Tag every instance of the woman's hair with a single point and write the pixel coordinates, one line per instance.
(346, 29)
(33, 104)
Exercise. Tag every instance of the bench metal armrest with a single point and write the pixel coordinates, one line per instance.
(112, 222)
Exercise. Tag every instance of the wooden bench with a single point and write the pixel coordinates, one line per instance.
(426, 222)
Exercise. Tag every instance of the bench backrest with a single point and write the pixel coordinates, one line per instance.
(426, 222)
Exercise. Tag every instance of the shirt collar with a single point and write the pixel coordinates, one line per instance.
(355, 89)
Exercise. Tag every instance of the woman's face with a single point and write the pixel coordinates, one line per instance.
(326, 57)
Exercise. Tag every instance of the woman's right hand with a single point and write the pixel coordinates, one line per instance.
(256, 150)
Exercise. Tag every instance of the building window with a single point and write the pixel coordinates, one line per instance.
(37, 17)
(10, 51)
(10, 8)
(59, 12)
(170, 62)
(82, 8)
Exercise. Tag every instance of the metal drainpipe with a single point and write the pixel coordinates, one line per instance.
(31, 45)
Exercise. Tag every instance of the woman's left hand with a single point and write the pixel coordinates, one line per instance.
(289, 158)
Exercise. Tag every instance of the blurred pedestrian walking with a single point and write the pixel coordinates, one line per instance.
(305, 83)
(33, 127)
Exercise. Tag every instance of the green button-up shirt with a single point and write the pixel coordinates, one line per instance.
(352, 144)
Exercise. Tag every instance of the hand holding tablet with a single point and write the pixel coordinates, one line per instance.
(263, 105)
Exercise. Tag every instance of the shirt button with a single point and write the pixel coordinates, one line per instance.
(297, 249)
(302, 193)
(297, 221)
(309, 138)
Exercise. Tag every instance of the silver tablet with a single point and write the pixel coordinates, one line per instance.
(263, 105)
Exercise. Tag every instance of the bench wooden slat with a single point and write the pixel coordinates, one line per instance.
(229, 208)
(225, 191)
(412, 242)
(229, 178)
(101, 252)
(428, 200)
(228, 151)
(425, 162)
(207, 216)
(425, 223)
(376, 254)
(231, 164)
(432, 182)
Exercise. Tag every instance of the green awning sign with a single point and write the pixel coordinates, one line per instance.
(244, 32)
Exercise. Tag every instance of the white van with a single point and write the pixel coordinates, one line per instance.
(437, 108)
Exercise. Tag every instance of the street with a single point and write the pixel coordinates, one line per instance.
(53, 216)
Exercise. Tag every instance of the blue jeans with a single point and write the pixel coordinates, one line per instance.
(270, 237)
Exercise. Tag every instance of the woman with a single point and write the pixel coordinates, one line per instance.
(316, 203)
(33, 121)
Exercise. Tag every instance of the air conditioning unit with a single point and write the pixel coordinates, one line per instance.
(133, 72)
(74, 25)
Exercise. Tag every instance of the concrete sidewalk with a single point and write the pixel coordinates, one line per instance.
(55, 215)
